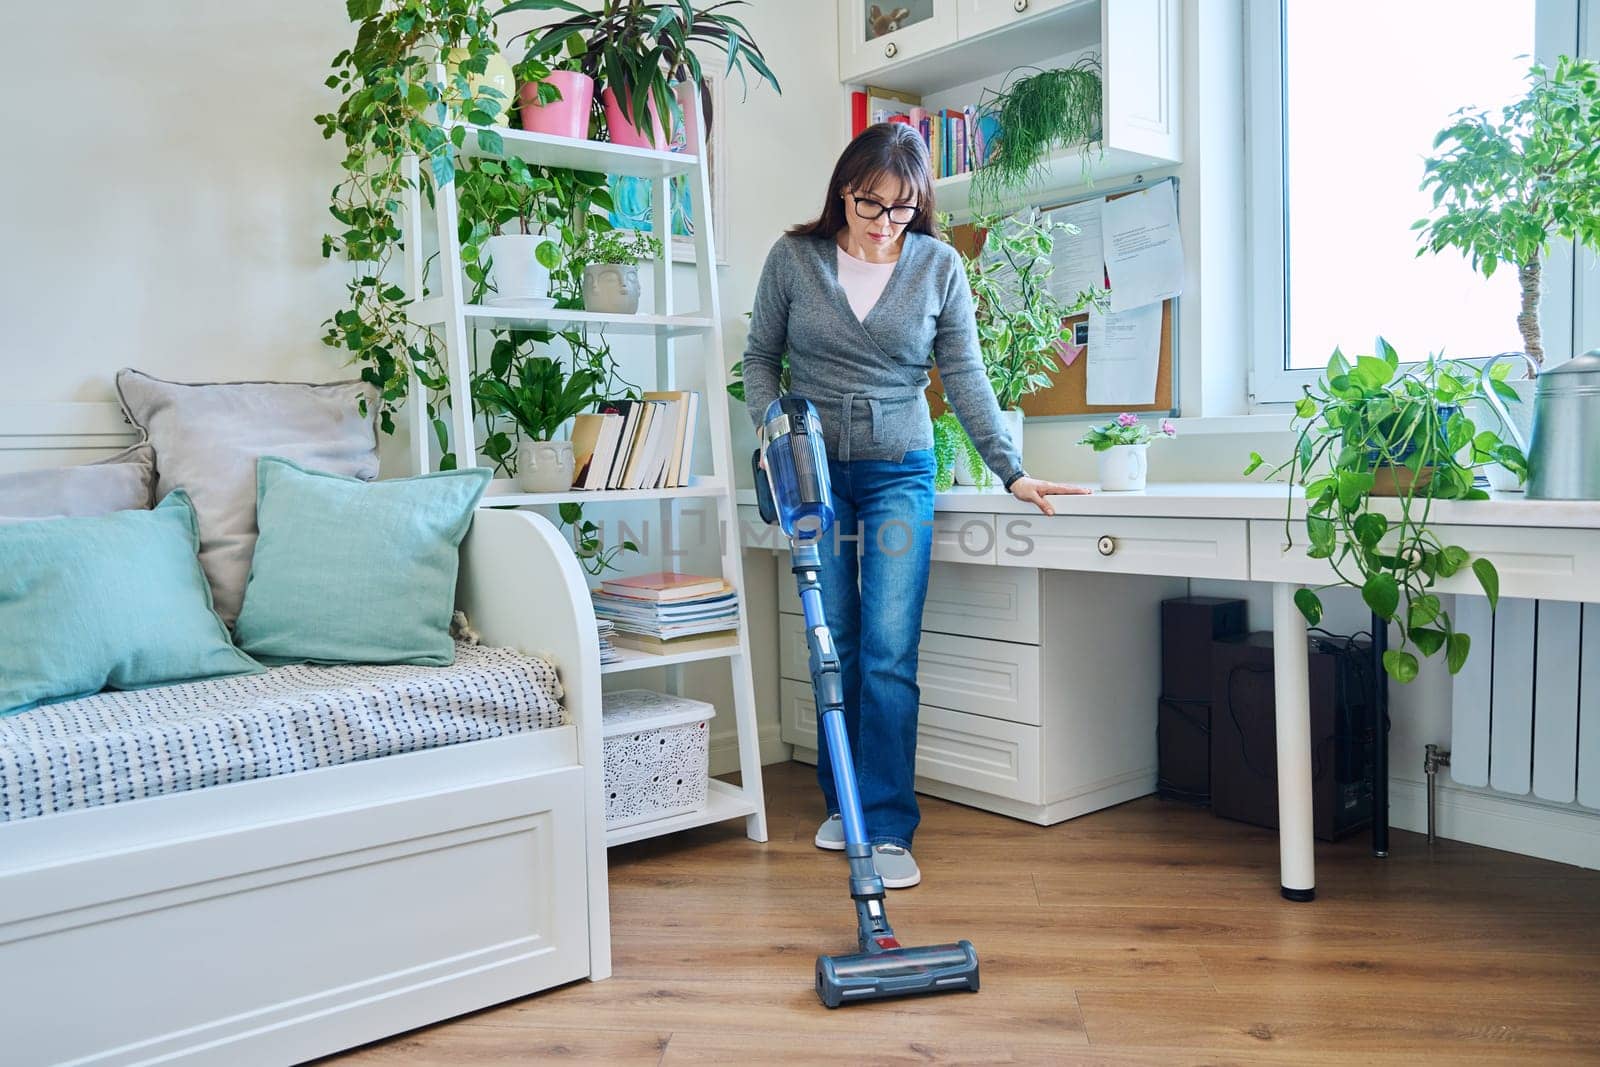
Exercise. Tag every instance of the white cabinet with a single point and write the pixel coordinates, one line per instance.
(974, 17)
(1027, 705)
(873, 35)
(1141, 63)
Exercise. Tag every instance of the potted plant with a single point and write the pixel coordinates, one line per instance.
(1505, 186)
(1021, 323)
(508, 246)
(1032, 116)
(557, 98)
(639, 49)
(1119, 450)
(1371, 426)
(611, 261)
(953, 450)
(539, 400)
(392, 106)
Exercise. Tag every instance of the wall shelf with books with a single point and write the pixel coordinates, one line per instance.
(503, 493)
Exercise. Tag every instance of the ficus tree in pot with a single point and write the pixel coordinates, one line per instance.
(392, 105)
(1371, 425)
(1504, 186)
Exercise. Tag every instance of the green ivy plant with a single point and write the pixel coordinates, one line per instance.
(1372, 429)
(1021, 323)
(1504, 187)
(588, 541)
(637, 49)
(1037, 114)
(392, 106)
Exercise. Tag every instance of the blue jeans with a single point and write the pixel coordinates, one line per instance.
(874, 580)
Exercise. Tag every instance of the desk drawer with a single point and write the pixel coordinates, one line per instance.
(995, 679)
(987, 755)
(1189, 548)
(975, 600)
(1545, 564)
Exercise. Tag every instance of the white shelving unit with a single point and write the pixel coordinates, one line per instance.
(449, 310)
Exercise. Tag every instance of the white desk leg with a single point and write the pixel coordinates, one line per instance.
(1292, 686)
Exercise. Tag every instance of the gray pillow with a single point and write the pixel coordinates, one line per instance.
(208, 437)
(122, 482)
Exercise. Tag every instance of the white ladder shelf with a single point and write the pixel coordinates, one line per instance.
(449, 310)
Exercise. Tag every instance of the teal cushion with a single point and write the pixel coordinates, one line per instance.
(113, 601)
(347, 571)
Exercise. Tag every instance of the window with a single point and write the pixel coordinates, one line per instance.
(1345, 100)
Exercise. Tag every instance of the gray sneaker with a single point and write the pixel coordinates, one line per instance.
(830, 835)
(895, 866)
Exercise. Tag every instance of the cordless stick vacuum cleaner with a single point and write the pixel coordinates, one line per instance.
(793, 493)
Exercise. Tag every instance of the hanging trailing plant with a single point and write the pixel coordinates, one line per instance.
(394, 106)
(1035, 115)
(1372, 431)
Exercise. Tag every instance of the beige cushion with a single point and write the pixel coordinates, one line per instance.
(122, 482)
(208, 437)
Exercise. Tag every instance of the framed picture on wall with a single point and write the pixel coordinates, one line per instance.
(631, 197)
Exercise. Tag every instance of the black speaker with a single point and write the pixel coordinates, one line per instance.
(1188, 627)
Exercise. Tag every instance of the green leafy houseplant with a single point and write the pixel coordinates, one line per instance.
(541, 397)
(1505, 186)
(1021, 323)
(391, 106)
(1036, 114)
(1370, 429)
(637, 49)
(626, 247)
(950, 440)
(1125, 429)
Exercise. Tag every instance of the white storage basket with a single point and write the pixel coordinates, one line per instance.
(656, 755)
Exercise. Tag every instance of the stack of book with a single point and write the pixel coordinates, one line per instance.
(957, 139)
(608, 651)
(668, 611)
(636, 444)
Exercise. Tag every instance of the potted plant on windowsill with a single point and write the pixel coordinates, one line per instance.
(1505, 186)
(638, 50)
(1022, 325)
(1371, 427)
(611, 261)
(539, 398)
(1119, 450)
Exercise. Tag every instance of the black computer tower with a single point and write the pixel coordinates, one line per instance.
(1244, 755)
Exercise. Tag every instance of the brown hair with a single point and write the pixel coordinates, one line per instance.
(887, 150)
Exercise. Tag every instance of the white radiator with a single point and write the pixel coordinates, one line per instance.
(1526, 707)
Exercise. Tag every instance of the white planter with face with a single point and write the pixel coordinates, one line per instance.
(518, 278)
(611, 288)
(544, 466)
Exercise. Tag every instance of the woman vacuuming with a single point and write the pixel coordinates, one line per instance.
(865, 299)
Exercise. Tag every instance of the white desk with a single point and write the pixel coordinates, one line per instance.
(1544, 549)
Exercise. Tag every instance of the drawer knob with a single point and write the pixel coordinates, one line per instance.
(1019, 6)
(890, 49)
(1106, 545)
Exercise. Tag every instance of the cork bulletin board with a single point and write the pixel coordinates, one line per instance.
(1066, 397)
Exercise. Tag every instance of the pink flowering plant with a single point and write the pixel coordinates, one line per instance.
(1126, 429)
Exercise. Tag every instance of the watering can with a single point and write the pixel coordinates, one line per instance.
(1564, 450)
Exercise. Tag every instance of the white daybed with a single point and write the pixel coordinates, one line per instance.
(279, 919)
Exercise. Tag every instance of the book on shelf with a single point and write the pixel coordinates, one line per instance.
(665, 585)
(637, 444)
(683, 410)
(665, 647)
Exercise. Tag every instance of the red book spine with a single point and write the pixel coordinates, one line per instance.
(858, 113)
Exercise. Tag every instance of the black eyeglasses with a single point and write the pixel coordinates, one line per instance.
(899, 214)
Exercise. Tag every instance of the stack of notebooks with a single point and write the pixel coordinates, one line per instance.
(636, 444)
(668, 611)
(608, 651)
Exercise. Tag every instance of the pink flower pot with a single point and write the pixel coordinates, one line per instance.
(567, 117)
(622, 129)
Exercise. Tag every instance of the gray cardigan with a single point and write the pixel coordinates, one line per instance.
(867, 376)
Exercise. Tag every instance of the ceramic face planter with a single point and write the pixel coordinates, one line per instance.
(544, 466)
(612, 288)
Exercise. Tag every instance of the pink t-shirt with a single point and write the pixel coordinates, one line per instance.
(862, 281)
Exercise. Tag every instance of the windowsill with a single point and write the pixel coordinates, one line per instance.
(1236, 425)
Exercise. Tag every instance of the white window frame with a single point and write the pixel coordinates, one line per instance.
(1570, 311)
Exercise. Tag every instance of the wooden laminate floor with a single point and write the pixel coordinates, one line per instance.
(1149, 933)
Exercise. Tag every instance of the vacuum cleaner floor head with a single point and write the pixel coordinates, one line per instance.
(897, 972)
